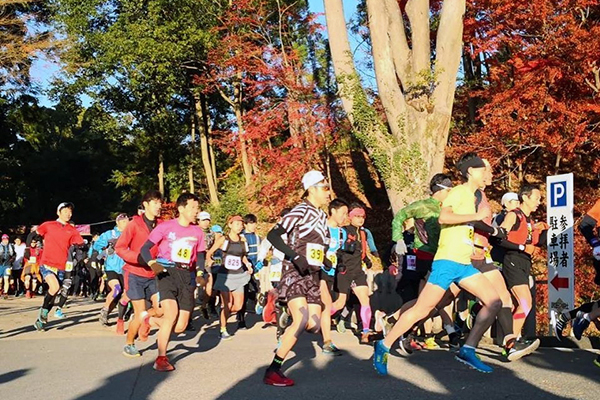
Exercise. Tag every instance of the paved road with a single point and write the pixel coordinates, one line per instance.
(79, 359)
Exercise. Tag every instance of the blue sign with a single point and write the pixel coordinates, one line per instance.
(558, 194)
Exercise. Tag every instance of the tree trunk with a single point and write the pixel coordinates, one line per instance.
(192, 154)
(243, 147)
(161, 174)
(416, 96)
(201, 117)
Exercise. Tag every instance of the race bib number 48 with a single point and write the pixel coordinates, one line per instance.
(181, 252)
(315, 254)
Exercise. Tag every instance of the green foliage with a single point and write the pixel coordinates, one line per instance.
(234, 200)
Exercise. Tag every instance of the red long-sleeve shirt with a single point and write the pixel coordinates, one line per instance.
(129, 244)
(58, 238)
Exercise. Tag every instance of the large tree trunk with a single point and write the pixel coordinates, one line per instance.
(201, 117)
(416, 96)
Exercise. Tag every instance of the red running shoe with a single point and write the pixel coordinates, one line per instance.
(120, 327)
(162, 364)
(144, 330)
(277, 378)
(28, 294)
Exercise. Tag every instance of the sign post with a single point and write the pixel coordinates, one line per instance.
(561, 277)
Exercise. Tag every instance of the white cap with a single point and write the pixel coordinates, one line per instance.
(311, 178)
(203, 215)
(65, 205)
(510, 196)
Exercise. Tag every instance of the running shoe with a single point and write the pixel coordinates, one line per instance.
(340, 326)
(43, 316)
(130, 351)
(470, 321)
(468, 356)
(190, 327)
(144, 330)
(103, 317)
(28, 294)
(380, 357)
(277, 378)
(405, 346)
(225, 336)
(454, 343)
(520, 350)
(431, 344)
(162, 364)
(59, 314)
(331, 350)
(258, 308)
(597, 361)
(39, 325)
(559, 322)
(120, 327)
(580, 324)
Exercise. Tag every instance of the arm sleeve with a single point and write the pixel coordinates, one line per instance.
(274, 237)
(587, 227)
(483, 227)
(402, 215)
(508, 245)
(200, 260)
(371, 242)
(145, 254)
(122, 247)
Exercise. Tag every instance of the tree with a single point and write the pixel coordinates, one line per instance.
(416, 87)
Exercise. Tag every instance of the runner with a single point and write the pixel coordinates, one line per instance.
(308, 236)
(7, 258)
(338, 213)
(589, 228)
(452, 264)
(353, 258)
(31, 272)
(139, 280)
(113, 267)
(523, 236)
(58, 237)
(180, 245)
(235, 272)
(253, 242)
(510, 201)
(17, 267)
(209, 236)
(482, 260)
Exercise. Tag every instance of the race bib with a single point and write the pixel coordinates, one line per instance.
(275, 272)
(315, 254)
(32, 260)
(332, 257)
(69, 266)
(181, 252)
(217, 261)
(471, 237)
(488, 255)
(411, 263)
(233, 262)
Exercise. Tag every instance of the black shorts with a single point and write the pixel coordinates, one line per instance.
(139, 287)
(329, 281)
(174, 284)
(516, 269)
(111, 275)
(350, 279)
(483, 266)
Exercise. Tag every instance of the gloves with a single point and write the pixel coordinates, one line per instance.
(400, 247)
(301, 263)
(157, 268)
(596, 252)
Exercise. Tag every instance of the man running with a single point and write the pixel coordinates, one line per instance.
(58, 238)
(113, 267)
(139, 279)
(180, 245)
(7, 257)
(452, 264)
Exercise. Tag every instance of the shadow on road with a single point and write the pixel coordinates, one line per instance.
(12, 375)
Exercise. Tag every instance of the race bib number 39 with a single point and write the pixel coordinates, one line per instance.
(315, 254)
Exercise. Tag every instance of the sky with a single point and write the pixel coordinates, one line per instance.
(43, 70)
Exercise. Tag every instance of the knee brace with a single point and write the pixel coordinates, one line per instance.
(66, 285)
(117, 291)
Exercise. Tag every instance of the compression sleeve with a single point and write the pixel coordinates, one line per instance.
(274, 237)
(483, 227)
(200, 260)
(145, 255)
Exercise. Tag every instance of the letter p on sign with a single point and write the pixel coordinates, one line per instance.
(558, 194)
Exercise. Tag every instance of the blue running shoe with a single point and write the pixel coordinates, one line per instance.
(59, 314)
(580, 324)
(39, 325)
(467, 356)
(43, 316)
(258, 308)
(380, 357)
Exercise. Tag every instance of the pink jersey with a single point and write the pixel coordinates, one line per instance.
(176, 243)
